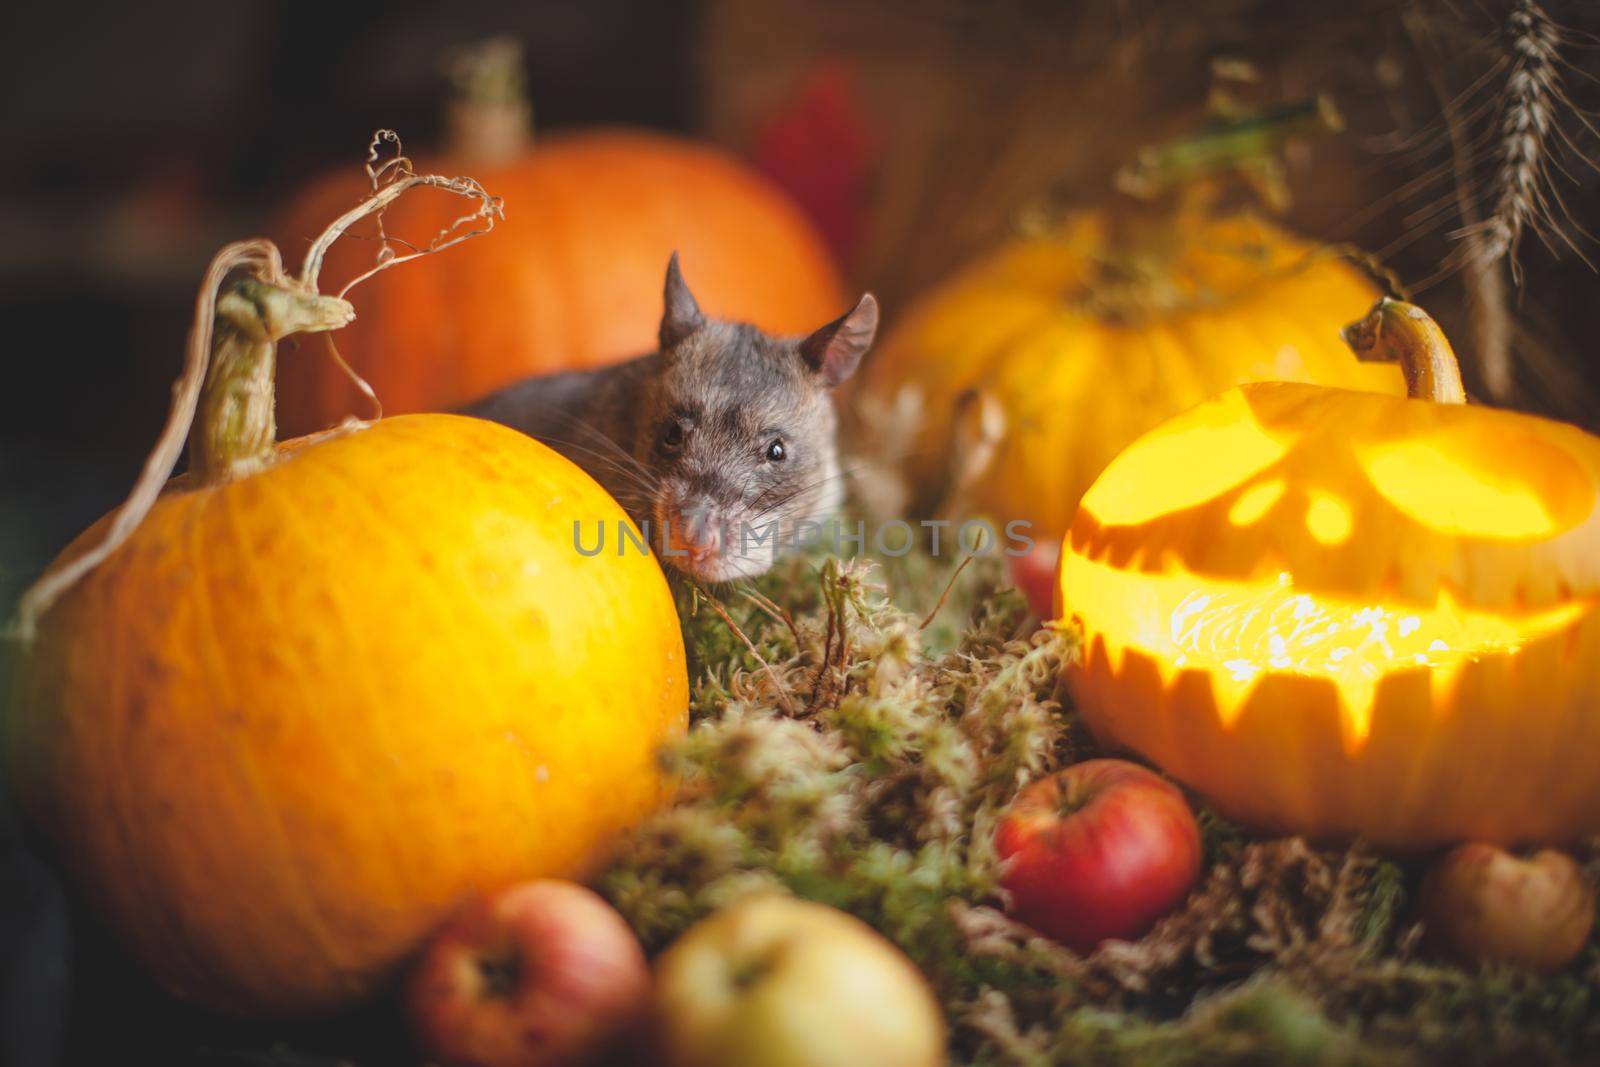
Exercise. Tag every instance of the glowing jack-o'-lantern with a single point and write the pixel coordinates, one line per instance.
(1340, 613)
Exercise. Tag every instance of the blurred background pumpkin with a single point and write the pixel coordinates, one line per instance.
(1088, 334)
(572, 278)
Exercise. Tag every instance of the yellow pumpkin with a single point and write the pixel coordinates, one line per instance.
(325, 692)
(1092, 333)
(1337, 613)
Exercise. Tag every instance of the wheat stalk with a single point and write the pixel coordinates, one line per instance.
(1532, 89)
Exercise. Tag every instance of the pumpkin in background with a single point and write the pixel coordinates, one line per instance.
(327, 691)
(1095, 331)
(1337, 613)
(573, 278)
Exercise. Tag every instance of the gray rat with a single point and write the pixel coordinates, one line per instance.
(718, 444)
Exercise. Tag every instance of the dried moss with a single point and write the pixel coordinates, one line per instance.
(845, 752)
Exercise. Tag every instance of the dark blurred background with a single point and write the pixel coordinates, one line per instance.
(139, 138)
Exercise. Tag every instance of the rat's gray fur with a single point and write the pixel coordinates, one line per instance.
(730, 390)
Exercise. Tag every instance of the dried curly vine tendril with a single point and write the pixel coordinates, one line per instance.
(283, 305)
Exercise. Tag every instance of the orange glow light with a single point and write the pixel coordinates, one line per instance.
(1239, 633)
(1522, 489)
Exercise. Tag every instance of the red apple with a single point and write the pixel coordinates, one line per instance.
(1481, 904)
(542, 974)
(1034, 572)
(1100, 850)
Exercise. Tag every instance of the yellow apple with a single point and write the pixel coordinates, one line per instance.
(772, 981)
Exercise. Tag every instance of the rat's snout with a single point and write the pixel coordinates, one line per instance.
(693, 529)
(700, 533)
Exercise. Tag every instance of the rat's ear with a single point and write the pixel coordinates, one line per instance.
(834, 352)
(681, 315)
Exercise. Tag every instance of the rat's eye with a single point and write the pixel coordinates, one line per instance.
(776, 453)
(672, 435)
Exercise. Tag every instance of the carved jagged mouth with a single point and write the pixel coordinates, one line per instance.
(1239, 633)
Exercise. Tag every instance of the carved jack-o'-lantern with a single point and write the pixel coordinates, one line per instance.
(1340, 613)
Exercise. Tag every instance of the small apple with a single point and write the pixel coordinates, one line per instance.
(1481, 904)
(1097, 851)
(541, 974)
(1034, 572)
(772, 981)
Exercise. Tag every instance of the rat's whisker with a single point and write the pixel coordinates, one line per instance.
(607, 445)
(767, 502)
(602, 441)
(642, 478)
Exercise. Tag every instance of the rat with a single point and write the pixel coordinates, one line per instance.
(719, 444)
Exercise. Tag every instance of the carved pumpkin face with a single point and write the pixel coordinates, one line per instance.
(1338, 613)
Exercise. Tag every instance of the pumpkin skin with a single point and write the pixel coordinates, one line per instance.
(1083, 360)
(300, 717)
(572, 278)
(1338, 614)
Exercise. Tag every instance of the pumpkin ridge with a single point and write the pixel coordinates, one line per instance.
(293, 525)
(445, 607)
(202, 647)
(314, 921)
(118, 800)
(417, 426)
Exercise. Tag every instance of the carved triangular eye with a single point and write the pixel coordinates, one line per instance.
(834, 352)
(681, 315)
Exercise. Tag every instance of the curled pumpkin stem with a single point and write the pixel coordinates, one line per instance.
(231, 367)
(1397, 332)
(235, 431)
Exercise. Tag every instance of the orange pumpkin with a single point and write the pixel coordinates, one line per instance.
(326, 691)
(573, 279)
(1092, 332)
(1337, 613)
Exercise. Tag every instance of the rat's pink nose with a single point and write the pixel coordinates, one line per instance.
(695, 534)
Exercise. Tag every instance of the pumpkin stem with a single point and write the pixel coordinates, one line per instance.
(235, 428)
(1172, 190)
(231, 355)
(1246, 144)
(489, 122)
(1397, 332)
